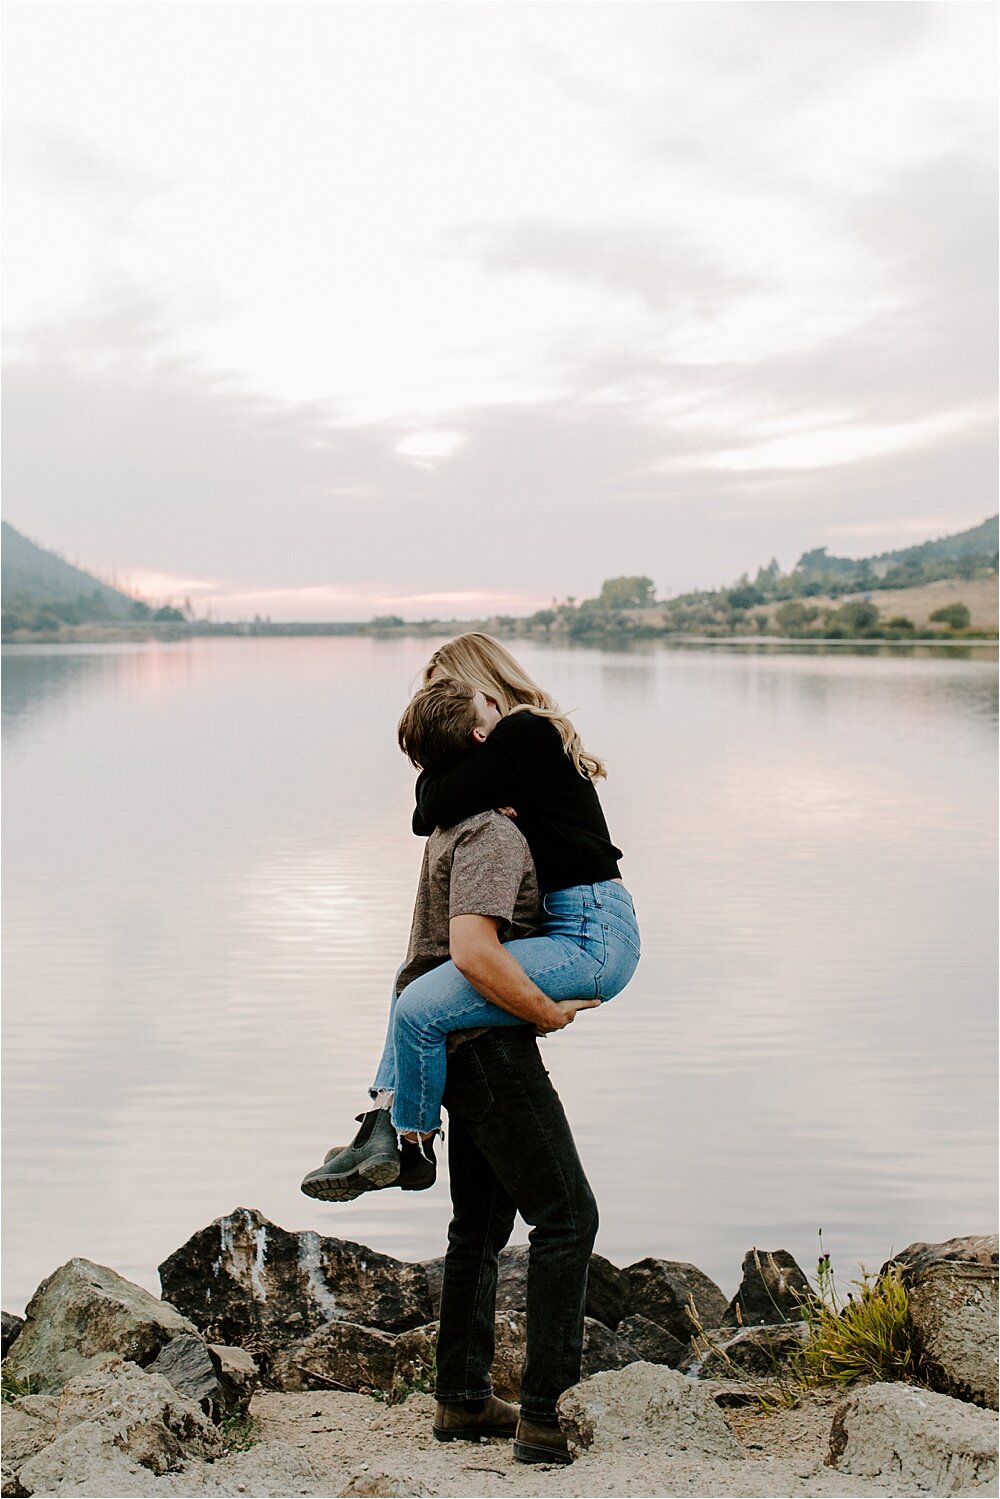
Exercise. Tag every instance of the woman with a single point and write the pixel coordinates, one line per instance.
(533, 766)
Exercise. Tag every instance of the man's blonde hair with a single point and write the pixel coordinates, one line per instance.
(436, 727)
(490, 668)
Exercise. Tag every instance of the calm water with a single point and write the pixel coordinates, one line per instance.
(208, 880)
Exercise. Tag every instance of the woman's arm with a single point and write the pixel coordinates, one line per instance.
(487, 777)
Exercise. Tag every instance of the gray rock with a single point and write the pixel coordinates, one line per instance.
(758, 1351)
(660, 1290)
(10, 1326)
(416, 1354)
(972, 1249)
(607, 1294)
(603, 1349)
(29, 1424)
(508, 1359)
(647, 1405)
(652, 1343)
(244, 1275)
(924, 1442)
(81, 1312)
(340, 1356)
(773, 1289)
(112, 1422)
(237, 1374)
(186, 1362)
(954, 1309)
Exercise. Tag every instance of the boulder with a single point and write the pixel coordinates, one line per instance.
(244, 1274)
(603, 1349)
(10, 1326)
(647, 1406)
(186, 1362)
(416, 1355)
(339, 1356)
(607, 1295)
(113, 1421)
(923, 1442)
(237, 1374)
(652, 1343)
(660, 1290)
(81, 1312)
(29, 1424)
(508, 1358)
(773, 1289)
(953, 1313)
(973, 1249)
(758, 1351)
(954, 1307)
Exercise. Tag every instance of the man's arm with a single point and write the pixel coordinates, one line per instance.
(479, 955)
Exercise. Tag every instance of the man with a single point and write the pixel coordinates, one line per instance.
(510, 1145)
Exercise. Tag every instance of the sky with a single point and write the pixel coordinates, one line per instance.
(322, 309)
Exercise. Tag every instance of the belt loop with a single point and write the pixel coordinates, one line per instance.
(597, 898)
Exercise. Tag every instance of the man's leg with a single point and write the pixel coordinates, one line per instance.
(526, 1139)
(480, 1227)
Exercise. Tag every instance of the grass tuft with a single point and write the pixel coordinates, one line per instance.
(862, 1336)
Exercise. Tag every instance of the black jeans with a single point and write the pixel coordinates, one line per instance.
(510, 1150)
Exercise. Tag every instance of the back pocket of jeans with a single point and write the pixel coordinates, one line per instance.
(466, 1091)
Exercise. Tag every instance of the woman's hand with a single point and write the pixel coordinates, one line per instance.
(563, 1012)
(507, 811)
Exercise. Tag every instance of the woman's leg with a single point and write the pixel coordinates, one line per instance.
(588, 948)
(385, 1076)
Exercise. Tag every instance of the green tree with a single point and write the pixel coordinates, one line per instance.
(955, 615)
(627, 593)
(856, 616)
(794, 616)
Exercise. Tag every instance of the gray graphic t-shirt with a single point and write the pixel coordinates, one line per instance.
(479, 867)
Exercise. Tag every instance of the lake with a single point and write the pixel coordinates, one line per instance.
(208, 881)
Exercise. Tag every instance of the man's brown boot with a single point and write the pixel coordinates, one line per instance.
(540, 1444)
(453, 1423)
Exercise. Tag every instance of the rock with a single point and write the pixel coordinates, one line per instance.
(973, 1249)
(772, 1290)
(113, 1421)
(923, 1441)
(237, 1374)
(953, 1312)
(416, 1354)
(607, 1297)
(659, 1290)
(81, 1312)
(377, 1482)
(29, 1424)
(652, 1343)
(603, 1349)
(244, 1275)
(340, 1356)
(759, 1351)
(10, 1326)
(508, 1359)
(186, 1362)
(954, 1306)
(647, 1406)
(434, 1270)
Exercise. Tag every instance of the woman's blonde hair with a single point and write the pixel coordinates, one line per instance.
(486, 665)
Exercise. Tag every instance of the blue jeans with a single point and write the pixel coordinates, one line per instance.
(587, 948)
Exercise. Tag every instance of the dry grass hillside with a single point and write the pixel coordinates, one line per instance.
(918, 604)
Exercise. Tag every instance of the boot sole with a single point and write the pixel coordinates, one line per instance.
(525, 1452)
(381, 1172)
(471, 1433)
(344, 1190)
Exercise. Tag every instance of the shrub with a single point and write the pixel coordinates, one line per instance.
(900, 622)
(955, 615)
(865, 1336)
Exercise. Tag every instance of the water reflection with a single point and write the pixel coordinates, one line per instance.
(208, 883)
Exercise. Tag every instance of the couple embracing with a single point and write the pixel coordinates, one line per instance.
(520, 921)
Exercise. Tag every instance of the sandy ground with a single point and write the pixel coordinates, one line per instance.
(355, 1445)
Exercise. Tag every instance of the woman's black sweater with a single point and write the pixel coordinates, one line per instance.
(523, 765)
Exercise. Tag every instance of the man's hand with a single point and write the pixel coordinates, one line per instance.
(566, 1011)
(479, 956)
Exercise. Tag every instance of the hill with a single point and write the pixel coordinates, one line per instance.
(42, 592)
